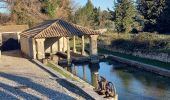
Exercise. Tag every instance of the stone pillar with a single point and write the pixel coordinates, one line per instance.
(74, 44)
(93, 45)
(40, 49)
(63, 44)
(82, 45)
(34, 53)
(18, 37)
(68, 51)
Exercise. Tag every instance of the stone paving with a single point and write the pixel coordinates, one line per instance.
(21, 79)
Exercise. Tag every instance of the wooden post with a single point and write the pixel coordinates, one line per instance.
(82, 45)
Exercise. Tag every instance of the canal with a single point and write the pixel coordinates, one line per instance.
(131, 83)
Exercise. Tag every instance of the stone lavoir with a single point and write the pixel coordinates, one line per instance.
(54, 36)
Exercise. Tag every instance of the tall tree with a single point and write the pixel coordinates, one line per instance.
(4, 18)
(85, 14)
(124, 15)
(50, 7)
(64, 10)
(151, 11)
(27, 12)
(164, 19)
(105, 19)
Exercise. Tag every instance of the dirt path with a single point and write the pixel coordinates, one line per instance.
(21, 79)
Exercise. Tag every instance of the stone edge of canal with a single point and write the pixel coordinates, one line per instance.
(146, 67)
(81, 84)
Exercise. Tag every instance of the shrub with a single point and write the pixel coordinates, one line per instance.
(142, 41)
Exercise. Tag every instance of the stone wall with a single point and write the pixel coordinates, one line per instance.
(164, 57)
(6, 36)
(28, 47)
(57, 44)
(140, 65)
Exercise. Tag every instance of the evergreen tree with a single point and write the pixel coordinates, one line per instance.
(105, 19)
(164, 19)
(124, 15)
(49, 7)
(95, 18)
(151, 11)
(84, 15)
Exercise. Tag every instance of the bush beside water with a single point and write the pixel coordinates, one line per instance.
(137, 42)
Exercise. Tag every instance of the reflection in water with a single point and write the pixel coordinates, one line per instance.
(84, 72)
(131, 83)
(94, 69)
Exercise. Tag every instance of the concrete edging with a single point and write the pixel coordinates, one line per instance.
(140, 65)
(90, 92)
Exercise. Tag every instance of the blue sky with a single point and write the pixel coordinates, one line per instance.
(103, 4)
(3, 10)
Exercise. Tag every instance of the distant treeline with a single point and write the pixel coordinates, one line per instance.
(125, 17)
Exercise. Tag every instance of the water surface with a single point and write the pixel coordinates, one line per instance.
(131, 83)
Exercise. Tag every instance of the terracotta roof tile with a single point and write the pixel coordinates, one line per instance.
(57, 28)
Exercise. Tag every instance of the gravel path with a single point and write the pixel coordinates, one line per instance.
(21, 79)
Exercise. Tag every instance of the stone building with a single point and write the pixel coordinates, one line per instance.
(10, 32)
(53, 36)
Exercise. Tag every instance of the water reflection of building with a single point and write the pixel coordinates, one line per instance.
(74, 71)
(94, 69)
(84, 72)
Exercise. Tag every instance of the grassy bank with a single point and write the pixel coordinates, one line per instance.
(143, 60)
(60, 71)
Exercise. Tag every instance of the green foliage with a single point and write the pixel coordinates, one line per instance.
(135, 58)
(143, 42)
(95, 17)
(164, 19)
(124, 15)
(104, 20)
(92, 17)
(151, 10)
(85, 14)
(50, 7)
(60, 71)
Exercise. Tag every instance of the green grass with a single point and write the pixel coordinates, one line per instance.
(139, 59)
(164, 50)
(60, 71)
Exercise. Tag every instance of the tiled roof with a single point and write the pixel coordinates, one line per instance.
(13, 28)
(57, 28)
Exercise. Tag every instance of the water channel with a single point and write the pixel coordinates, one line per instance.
(131, 83)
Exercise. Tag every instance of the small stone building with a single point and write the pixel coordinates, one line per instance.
(53, 36)
(10, 32)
